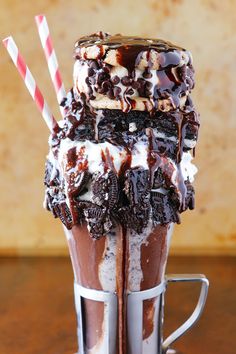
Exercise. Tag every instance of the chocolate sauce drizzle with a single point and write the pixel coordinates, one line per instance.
(123, 43)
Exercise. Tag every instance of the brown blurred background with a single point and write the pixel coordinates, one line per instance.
(205, 27)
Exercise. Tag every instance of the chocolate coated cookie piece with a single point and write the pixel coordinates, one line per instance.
(163, 208)
(105, 189)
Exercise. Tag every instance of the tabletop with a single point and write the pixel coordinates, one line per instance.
(37, 309)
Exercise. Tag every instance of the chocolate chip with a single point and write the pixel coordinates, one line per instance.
(126, 80)
(92, 80)
(116, 91)
(90, 91)
(135, 85)
(93, 64)
(141, 88)
(115, 80)
(148, 85)
(100, 90)
(147, 90)
(102, 77)
(87, 80)
(106, 86)
(107, 69)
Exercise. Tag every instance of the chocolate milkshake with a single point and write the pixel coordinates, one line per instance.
(119, 173)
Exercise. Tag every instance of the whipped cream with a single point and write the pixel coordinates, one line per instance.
(92, 152)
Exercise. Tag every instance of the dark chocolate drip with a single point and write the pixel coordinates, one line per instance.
(108, 161)
(128, 55)
(126, 164)
(153, 158)
(104, 160)
(72, 158)
(118, 41)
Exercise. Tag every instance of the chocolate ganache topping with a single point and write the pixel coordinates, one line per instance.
(123, 154)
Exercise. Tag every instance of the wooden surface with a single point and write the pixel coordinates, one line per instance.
(206, 27)
(37, 311)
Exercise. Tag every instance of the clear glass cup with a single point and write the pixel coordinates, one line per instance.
(119, 290)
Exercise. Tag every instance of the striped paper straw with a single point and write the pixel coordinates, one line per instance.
(51, 58)
(30, 83)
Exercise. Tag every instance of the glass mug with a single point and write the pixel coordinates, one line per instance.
(98, 308)
(135, 315)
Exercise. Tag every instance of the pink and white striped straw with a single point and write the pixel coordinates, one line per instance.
(30, 83)
(51, 58)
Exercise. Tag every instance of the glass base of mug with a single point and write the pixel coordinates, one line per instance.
(169, 351)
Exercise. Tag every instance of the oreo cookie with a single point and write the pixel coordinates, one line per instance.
(164, 209)
(63, 212)
(137, 191)
(98, 221)
(77, 182)
(137, 186)
(105, 189)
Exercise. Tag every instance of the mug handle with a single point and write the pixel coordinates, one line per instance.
(173, 278)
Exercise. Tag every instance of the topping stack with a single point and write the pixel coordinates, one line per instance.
(123, 152)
